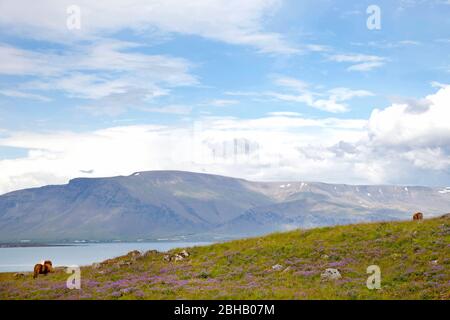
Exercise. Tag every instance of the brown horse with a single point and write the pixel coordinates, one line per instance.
(44, 268)
(418, 216)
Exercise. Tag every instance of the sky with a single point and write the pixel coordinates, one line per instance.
(354, 92)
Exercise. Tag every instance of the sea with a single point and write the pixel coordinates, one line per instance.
(22, 259)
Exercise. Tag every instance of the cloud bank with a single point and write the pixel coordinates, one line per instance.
(396, 145)
(230, 21)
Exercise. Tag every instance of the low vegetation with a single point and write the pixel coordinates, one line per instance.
(414, 258)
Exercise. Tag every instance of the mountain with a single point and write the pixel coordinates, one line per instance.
(309, 205)
(161, 204)
(413, 259)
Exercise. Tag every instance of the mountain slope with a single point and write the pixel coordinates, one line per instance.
(149, 205)
(414, 259)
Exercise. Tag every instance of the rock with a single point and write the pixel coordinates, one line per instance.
(19, 275)
(184, 253)
(204, 275)
(331, 274)
(134, 254)
(277, 267)
(122, 292)
(287, 269)
(434, 262)
(123, 264)
(150, 253)
(107, 262)
(167, 257)
(325, 256)
(126, 291)
(96, 265)
(177, 257)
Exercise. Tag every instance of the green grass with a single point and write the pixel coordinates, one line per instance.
(414, 258)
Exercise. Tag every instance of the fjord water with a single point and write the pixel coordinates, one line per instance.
(23, 259)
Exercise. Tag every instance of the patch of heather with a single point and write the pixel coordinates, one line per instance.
(307, 273)
(414, 260)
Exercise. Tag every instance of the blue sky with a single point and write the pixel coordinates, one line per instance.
(146, 85)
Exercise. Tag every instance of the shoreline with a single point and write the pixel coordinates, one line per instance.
(85, 243)
(21, 258)
(32, 245)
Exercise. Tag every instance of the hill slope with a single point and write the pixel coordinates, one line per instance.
(149, 205)
(414, 258)
(141, 206)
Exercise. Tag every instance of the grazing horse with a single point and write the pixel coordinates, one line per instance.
(418, 216)
(43, 268)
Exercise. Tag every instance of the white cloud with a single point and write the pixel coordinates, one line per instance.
(21, 62)
(107, 71)
(86, 86)
(298, 91)
(55, 157)
(59, 156)
(360, 62)
(170, 109)
(366, 66)
(330, 101)
(330, 105)
(354, 58)
(108, 57)
(384, 44)
(24, 95)
(436, 84)
(292, 83)
(343, 94)
(286, 122)
(222, 102)
(243, 93)
(231, 21)
(409, 43)
(317, 48)
(394, 145)
(398, 126)
(285, 113)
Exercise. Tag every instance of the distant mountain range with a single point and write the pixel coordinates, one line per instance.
(184, 205)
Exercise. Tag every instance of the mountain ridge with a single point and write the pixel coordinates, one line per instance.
(152, 204)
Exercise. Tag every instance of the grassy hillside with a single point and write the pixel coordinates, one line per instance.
(414, 258)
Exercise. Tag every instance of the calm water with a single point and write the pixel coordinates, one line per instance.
(24, 259)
